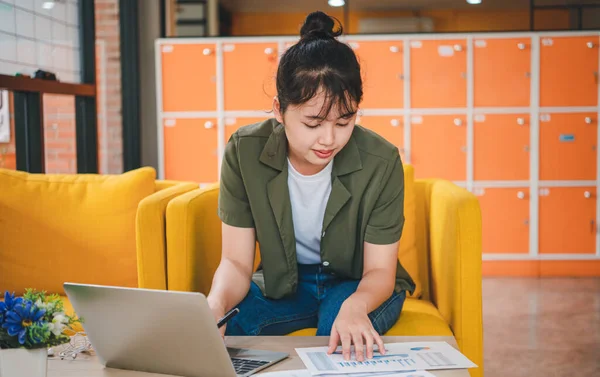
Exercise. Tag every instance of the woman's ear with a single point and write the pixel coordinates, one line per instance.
(277, 110)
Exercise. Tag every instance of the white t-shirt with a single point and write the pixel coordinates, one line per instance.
(309, 195)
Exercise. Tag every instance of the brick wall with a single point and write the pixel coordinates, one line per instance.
(108, 79)
(7, 150)
(59, 111)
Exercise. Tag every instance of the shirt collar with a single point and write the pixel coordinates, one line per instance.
(274, 153)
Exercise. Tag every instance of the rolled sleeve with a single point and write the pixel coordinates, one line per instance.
(234, 207)
(387, 219)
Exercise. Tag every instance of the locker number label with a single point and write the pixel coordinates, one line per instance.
(416, 119)
(416, 44)
(480, 43)
(479, 118)
(547, 42)
(167, 48)
(170, 122)
(545, 192)
(545, 117)
(567, 138)
(479, 191)
(446, 51)
(230, 121)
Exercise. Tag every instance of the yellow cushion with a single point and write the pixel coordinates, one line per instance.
(418, 318)
(77, 228)
(407, 253)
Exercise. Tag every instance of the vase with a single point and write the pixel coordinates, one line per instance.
(20, 362)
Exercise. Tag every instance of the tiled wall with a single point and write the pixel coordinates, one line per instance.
(32, 38)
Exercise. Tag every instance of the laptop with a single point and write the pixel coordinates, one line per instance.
(157, 331)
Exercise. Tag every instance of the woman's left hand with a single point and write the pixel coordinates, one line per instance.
(353, 326)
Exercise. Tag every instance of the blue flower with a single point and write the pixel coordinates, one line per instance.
(9, 302)
(23, 316)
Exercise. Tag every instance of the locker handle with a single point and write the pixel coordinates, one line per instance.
(394, 49)
(521, 195)
(590, 44)
(458, 47)
(206, 51)
(521, 46)
(395, 122)
(588, 120)
(587, 194)
(208, 125)
(269, 50)
(521, 121)
(458, 122)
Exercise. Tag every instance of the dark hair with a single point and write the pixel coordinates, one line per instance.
(319, 61)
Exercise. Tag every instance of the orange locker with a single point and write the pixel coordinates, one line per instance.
(439, 146)
(249, 75)
(189, 77)
(233, 124)
(505, 217)
(501, 143)
(568, 146)
(569, 71)
(190, 147)
(438, 73)
(383, 73)
(502, 72)
(389, 127)
(568, 220)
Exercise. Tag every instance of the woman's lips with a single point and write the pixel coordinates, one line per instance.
(323, 153)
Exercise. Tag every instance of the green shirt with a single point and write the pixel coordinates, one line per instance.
(365, 205)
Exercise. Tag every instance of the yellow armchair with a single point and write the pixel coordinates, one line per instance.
(84, 228)
(445, 231)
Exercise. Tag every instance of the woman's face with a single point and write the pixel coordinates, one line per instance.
(313, 141)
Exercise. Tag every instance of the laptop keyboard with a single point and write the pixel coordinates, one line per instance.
(243, 366)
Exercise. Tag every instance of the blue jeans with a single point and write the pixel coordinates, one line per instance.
(316, 303)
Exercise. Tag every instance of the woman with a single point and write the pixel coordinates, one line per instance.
(323, 197)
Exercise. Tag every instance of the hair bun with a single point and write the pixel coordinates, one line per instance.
(319, 25)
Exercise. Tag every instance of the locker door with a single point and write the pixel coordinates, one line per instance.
(568, 220)
(438, 74)
(233, 124)
(249, 71)
(501, 147)
(190, 150)
(494, 84)
(569, 71)
(390, 128)
(439, 146)
(189, 77)
(383, 74)
(568, 146)
(505, 217)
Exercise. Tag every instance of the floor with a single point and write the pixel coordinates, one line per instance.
(541, 327)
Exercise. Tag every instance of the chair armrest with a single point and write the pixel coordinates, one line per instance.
(151, 235)
(193, 240)
(455, 265)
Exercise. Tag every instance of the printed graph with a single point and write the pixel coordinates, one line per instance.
(435, 359)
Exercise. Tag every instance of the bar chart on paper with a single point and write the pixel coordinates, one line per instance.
(398, 357)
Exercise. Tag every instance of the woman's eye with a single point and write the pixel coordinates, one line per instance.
(343, 124)
(311, 125)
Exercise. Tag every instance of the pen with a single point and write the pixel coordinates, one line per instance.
(232, 313)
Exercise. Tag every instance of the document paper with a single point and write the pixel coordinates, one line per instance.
(398, 357)
(306, 373)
